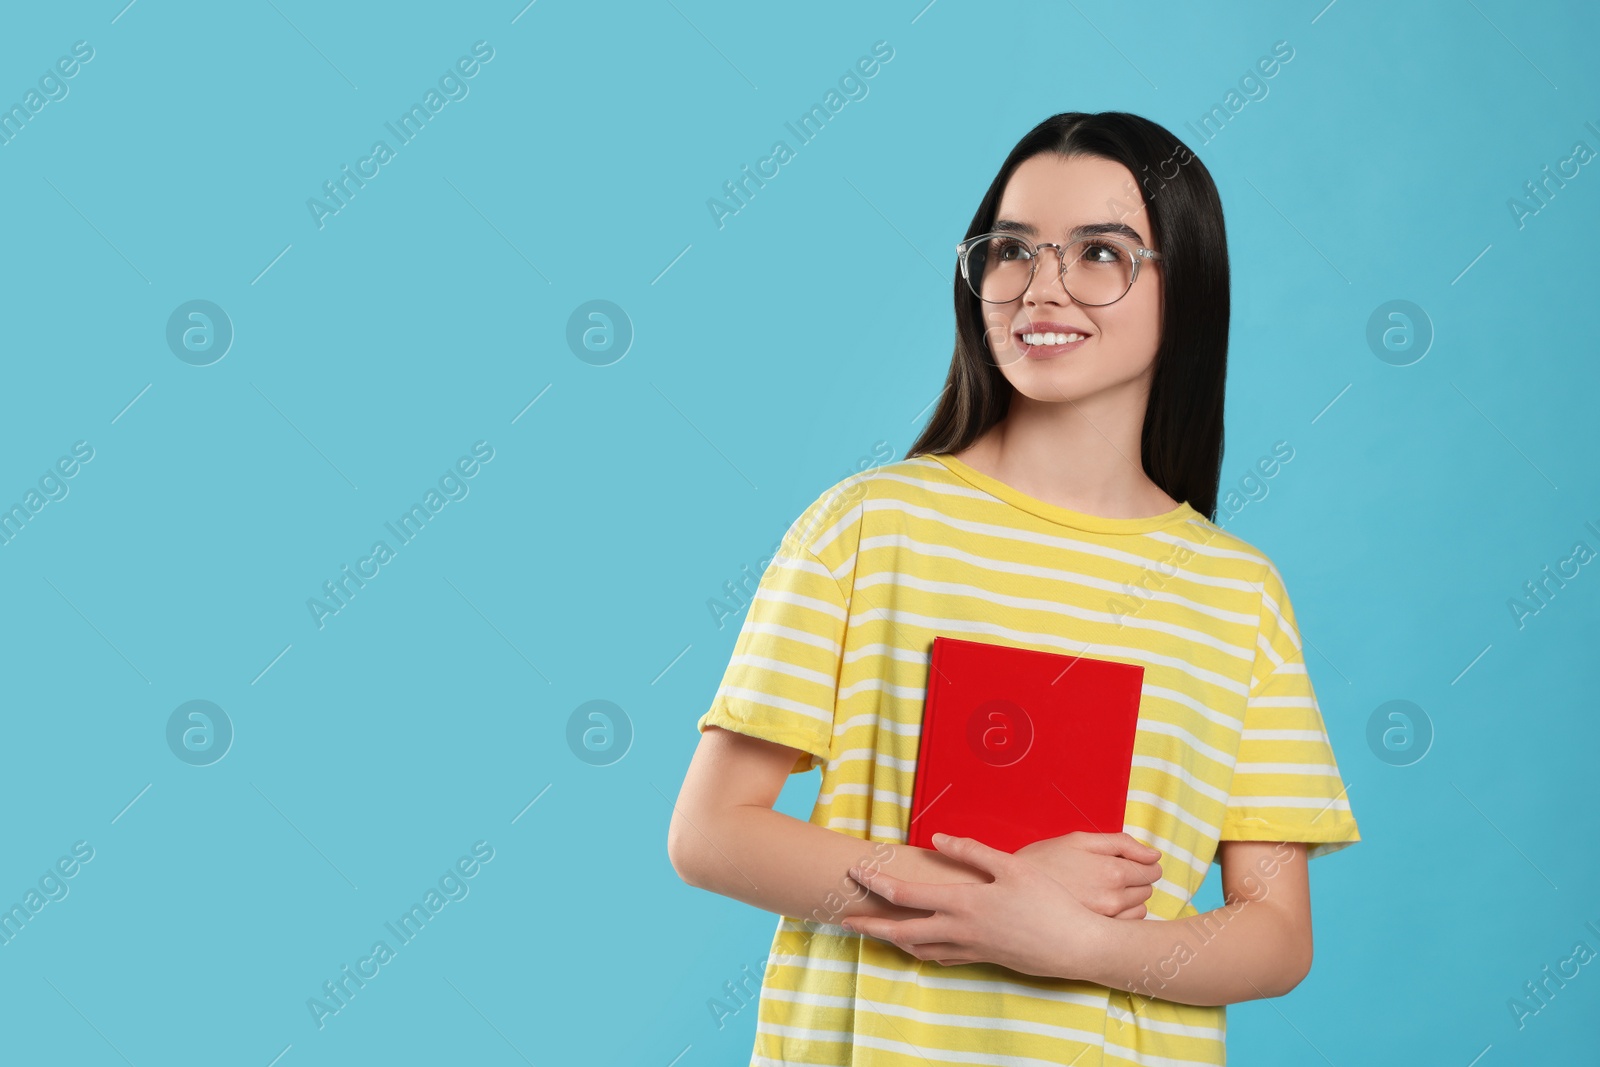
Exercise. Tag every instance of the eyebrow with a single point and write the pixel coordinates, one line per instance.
(1091, 229)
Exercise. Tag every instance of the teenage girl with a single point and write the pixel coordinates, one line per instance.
(1060, 498)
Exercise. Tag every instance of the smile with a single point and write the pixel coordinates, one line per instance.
(1047, 344)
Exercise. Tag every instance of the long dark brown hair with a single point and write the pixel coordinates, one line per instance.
(1181, 442)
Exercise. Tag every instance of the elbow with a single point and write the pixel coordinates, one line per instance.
(1292, 977)
(1296, 964)
(680, 852)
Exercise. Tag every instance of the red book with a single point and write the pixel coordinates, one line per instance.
(1019, 745)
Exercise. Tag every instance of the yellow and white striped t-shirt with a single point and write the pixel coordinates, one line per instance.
(833, 659)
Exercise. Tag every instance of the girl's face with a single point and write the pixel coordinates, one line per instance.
(1045, 198)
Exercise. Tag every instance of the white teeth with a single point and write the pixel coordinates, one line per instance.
(1050, 338)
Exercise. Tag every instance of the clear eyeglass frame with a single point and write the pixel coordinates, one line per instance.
(1139, 256)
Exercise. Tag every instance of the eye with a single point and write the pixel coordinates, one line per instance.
(1010, 249)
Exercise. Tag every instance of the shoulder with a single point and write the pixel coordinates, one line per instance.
(1228, 553)
(1222, 554)
(834, 518)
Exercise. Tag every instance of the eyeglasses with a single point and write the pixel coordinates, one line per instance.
(1095, 271)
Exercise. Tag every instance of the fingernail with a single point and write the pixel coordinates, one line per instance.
(855, 872)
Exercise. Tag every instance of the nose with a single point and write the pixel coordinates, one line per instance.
(1046, 284)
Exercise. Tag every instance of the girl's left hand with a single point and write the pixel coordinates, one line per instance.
(1024, 919)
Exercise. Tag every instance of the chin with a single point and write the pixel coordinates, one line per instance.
(1051, 386)
(1046, 396)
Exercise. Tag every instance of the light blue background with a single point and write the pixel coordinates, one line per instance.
(371, 353)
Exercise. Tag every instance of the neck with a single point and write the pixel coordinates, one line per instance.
(1078, 454)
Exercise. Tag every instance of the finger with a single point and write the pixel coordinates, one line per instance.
(899, 931)
(1133, 849)
(1108, 904)
(945, 954)
(1133, 873)
(971, 851)
(1099, 844)
(1138, 911)
(1123, 897)
(927, 896)
(1123, 845)
(1133, 895)
(904, 934)
(928, 950)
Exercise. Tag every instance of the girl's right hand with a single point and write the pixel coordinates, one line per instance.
(1111, 874)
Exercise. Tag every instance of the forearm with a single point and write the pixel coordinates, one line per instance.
(790, 867)
(1245, 950)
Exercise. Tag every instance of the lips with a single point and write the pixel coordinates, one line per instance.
(1051, 326)
(1050, 338)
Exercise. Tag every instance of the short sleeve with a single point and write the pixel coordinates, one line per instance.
(1286, 783)
(782, 681)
